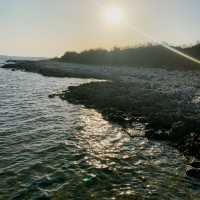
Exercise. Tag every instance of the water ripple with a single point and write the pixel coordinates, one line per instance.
(50, 149)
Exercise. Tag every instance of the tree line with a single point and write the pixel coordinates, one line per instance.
(149, 55)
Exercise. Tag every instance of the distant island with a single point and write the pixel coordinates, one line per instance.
(145, 56)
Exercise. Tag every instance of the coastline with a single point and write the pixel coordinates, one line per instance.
(165, 116)
(163, 100)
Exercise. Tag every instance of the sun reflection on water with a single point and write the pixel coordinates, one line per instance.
(118, 163)
(101, 140)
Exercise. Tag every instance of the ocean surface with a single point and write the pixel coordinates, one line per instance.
(50, 149)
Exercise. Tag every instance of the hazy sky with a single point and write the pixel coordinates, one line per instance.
(51, 27)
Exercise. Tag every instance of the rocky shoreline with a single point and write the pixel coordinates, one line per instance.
(168, 111)
(166, 117)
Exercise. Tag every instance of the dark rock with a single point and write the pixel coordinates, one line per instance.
(195, 164)
(191, 145)
(11, 61)
(116, 116)
(157, 134)
(193, 122)
(11, 66)
(194, 173)
(178, 130)
(160, 120)
(51, 96)
(149, 133)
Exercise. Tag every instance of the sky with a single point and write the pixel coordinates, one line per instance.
(48, 28)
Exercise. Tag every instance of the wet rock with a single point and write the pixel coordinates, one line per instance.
(9, 66)
(191, 145)
(11, 61)
(178, 130)
(157, 134)
(159, 120)
(51, 96)
(193, 172)
(149, 133)
(195, 164)
(116, 116)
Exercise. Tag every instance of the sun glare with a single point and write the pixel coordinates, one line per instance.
(113, 15)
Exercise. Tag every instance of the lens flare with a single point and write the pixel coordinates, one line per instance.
(115, 15)
(163, 44)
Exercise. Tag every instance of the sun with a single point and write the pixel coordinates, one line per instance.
(113, 15)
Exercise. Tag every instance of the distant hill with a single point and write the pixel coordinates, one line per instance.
(150, 56)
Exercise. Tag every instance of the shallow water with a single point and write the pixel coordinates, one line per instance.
(50, 149)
